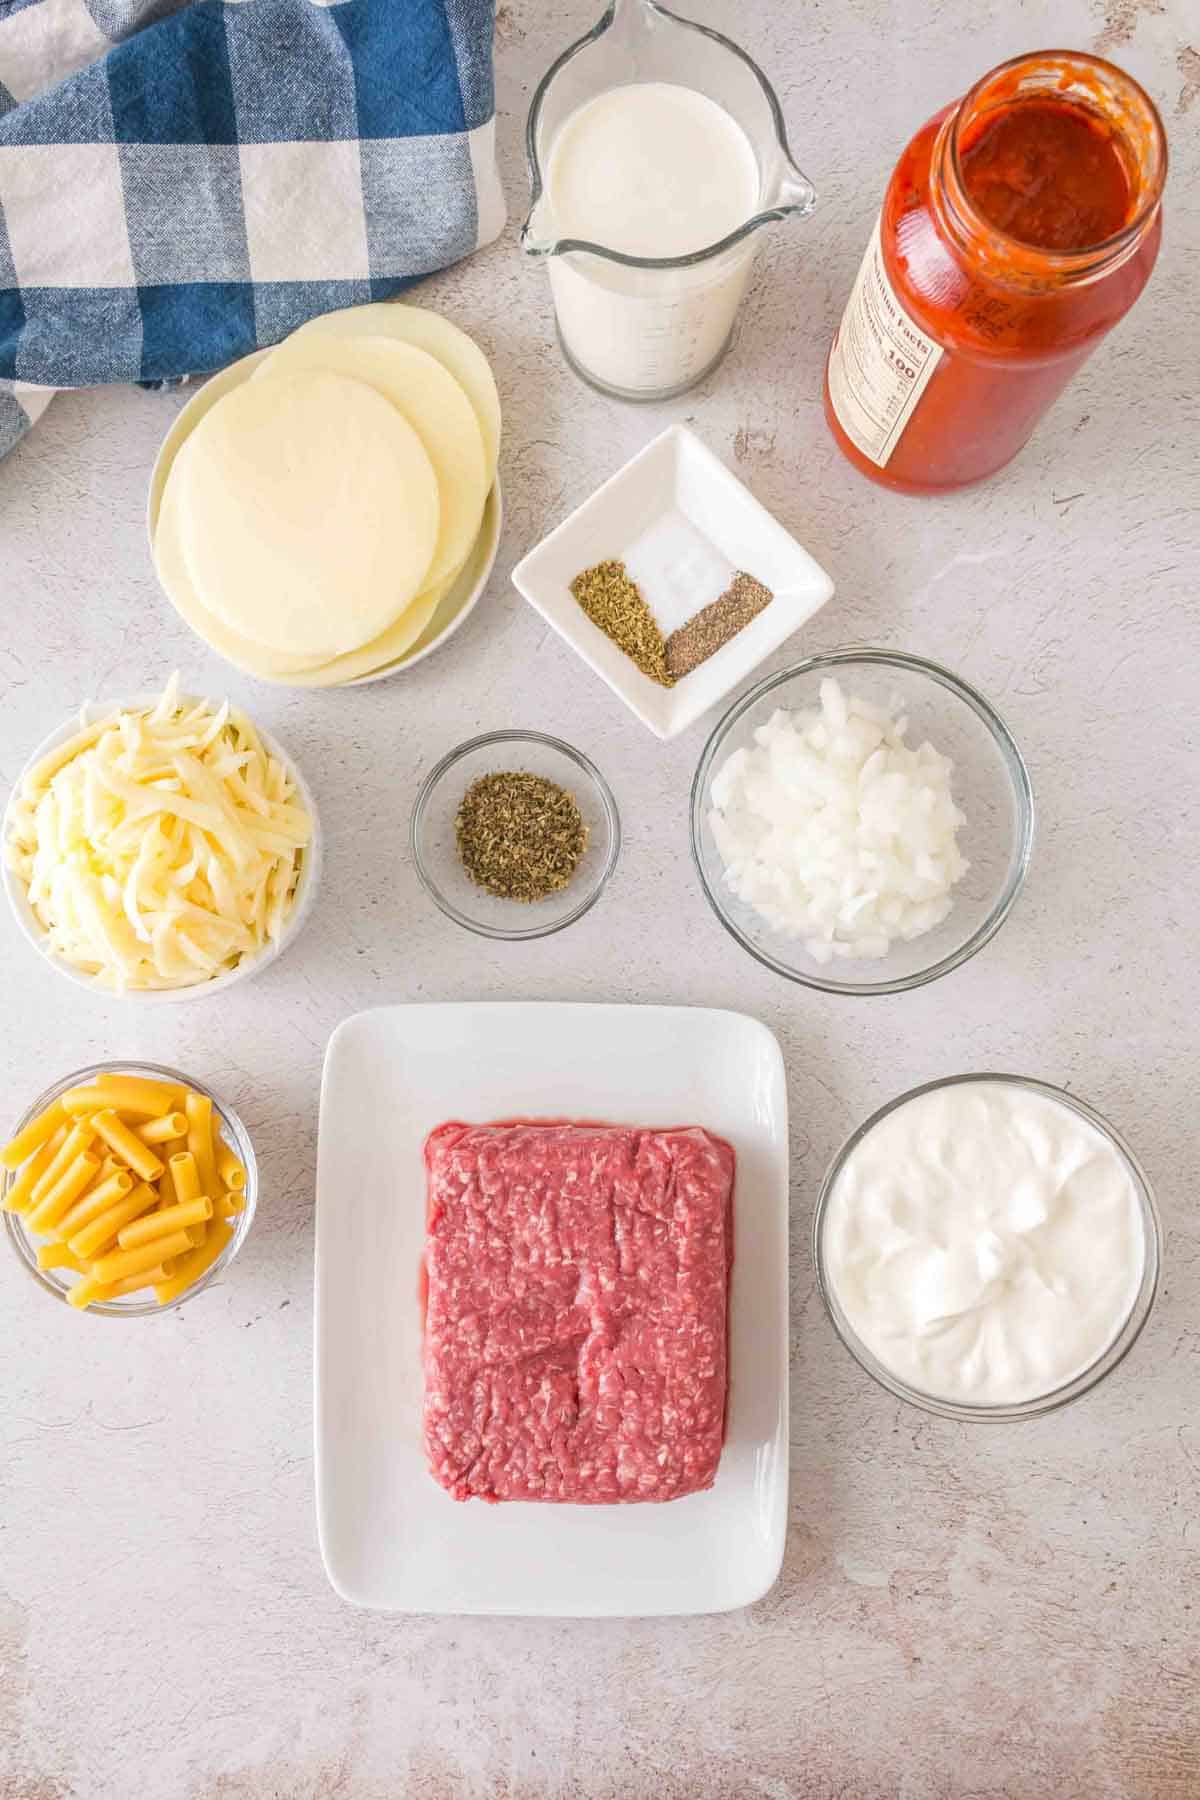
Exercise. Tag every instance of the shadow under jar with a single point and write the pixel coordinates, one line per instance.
(1019, 226)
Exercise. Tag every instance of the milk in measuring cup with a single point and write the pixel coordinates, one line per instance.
(649, 169)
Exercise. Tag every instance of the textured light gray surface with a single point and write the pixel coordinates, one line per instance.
(963, 1613)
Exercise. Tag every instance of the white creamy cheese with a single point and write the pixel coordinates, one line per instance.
(985, 1243)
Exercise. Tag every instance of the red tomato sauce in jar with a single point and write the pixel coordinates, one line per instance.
(1018, 228)
(1049, 174)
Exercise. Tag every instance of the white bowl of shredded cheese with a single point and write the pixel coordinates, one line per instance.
(862, 822)
(160, 848)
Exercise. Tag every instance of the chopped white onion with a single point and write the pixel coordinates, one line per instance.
(836, 831)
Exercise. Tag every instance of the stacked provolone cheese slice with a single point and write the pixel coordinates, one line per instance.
(310, 517)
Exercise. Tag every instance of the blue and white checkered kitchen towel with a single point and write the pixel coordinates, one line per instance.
(181, 183)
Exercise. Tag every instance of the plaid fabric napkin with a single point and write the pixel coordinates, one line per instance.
(181, 183)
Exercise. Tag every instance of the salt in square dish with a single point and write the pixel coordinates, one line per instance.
(675, 476)
(391, 1537)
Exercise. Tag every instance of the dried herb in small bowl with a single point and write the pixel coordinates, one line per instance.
(615, 603)
(519, 835)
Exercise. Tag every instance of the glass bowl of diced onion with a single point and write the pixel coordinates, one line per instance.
(298, 910)
(58, 1282)
(798, 888)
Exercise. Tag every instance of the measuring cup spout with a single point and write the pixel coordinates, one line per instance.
(794, 192)
(538, 233)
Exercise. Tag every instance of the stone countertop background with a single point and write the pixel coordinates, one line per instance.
(964, 1613)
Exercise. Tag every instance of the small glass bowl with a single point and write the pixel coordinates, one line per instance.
(1087, 1379)
(991, 787)
(132, 1306)
(435, 848)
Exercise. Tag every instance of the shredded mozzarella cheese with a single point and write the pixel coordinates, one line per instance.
(160, 847)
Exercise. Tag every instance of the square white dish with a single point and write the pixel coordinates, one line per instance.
(675, 472)
(392, 1538)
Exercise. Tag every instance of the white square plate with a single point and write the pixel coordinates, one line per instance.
(674, 473)
(390, 1536)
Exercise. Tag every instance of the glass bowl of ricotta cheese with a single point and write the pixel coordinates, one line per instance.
(987, 1247)
(862, 821)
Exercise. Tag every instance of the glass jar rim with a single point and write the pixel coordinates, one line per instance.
(1032, 259)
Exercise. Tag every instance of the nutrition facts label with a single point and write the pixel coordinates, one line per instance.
(880, 363)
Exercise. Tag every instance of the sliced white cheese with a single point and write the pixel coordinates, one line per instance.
(429, 331)
(267, 665)
(427, 618)
(434, 404)
(308, 511)
(462, 593)
(387, 647)
(186, 421)
(176, 581)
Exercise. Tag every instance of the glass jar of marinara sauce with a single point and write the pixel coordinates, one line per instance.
(1019, 226)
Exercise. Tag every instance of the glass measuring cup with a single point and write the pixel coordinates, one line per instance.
(637, 327)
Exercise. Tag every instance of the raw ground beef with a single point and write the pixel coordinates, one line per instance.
(575, 1329)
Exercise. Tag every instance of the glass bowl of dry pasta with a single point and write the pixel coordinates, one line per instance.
(127, 1187)
(160, 848)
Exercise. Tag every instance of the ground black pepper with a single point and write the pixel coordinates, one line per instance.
(520, 836)
(714, 625)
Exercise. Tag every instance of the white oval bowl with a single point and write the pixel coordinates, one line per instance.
(302, 905)
(451, 614)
